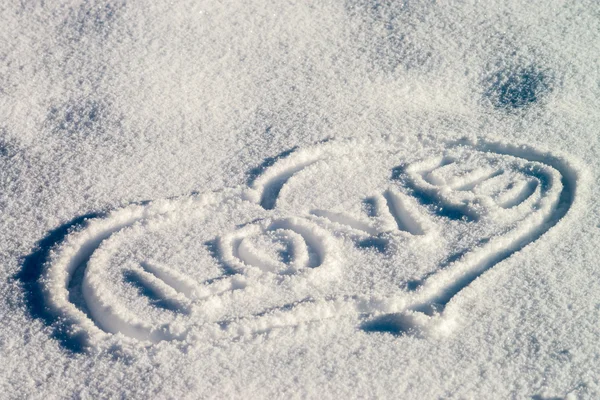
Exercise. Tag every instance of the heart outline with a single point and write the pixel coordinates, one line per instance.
(79, 324)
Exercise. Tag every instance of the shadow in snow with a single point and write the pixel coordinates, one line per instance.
(396, 324)
(29, 277)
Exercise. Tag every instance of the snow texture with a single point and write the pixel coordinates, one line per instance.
(331, 199)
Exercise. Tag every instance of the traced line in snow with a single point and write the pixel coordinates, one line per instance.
(404, 215)
(313, 257)
(271, 188)
(75, 252)
(31, 278)
(517, 194)
(78, 251)
(423, 312)
(392, 211)
(429, 190)
(176, 280)
(560, 181)
(158, 292)
(311, 248)
(475, 178)
(345, 219)
(266, 187)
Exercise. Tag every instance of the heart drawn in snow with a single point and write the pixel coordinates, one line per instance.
(381, 231)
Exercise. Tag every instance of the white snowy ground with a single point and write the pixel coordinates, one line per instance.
(329, 199)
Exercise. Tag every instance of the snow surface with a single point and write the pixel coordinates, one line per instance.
(328, 199)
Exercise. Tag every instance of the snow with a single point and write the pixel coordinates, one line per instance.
(341, 198)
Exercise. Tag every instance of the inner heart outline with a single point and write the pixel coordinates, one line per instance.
(430, 297)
